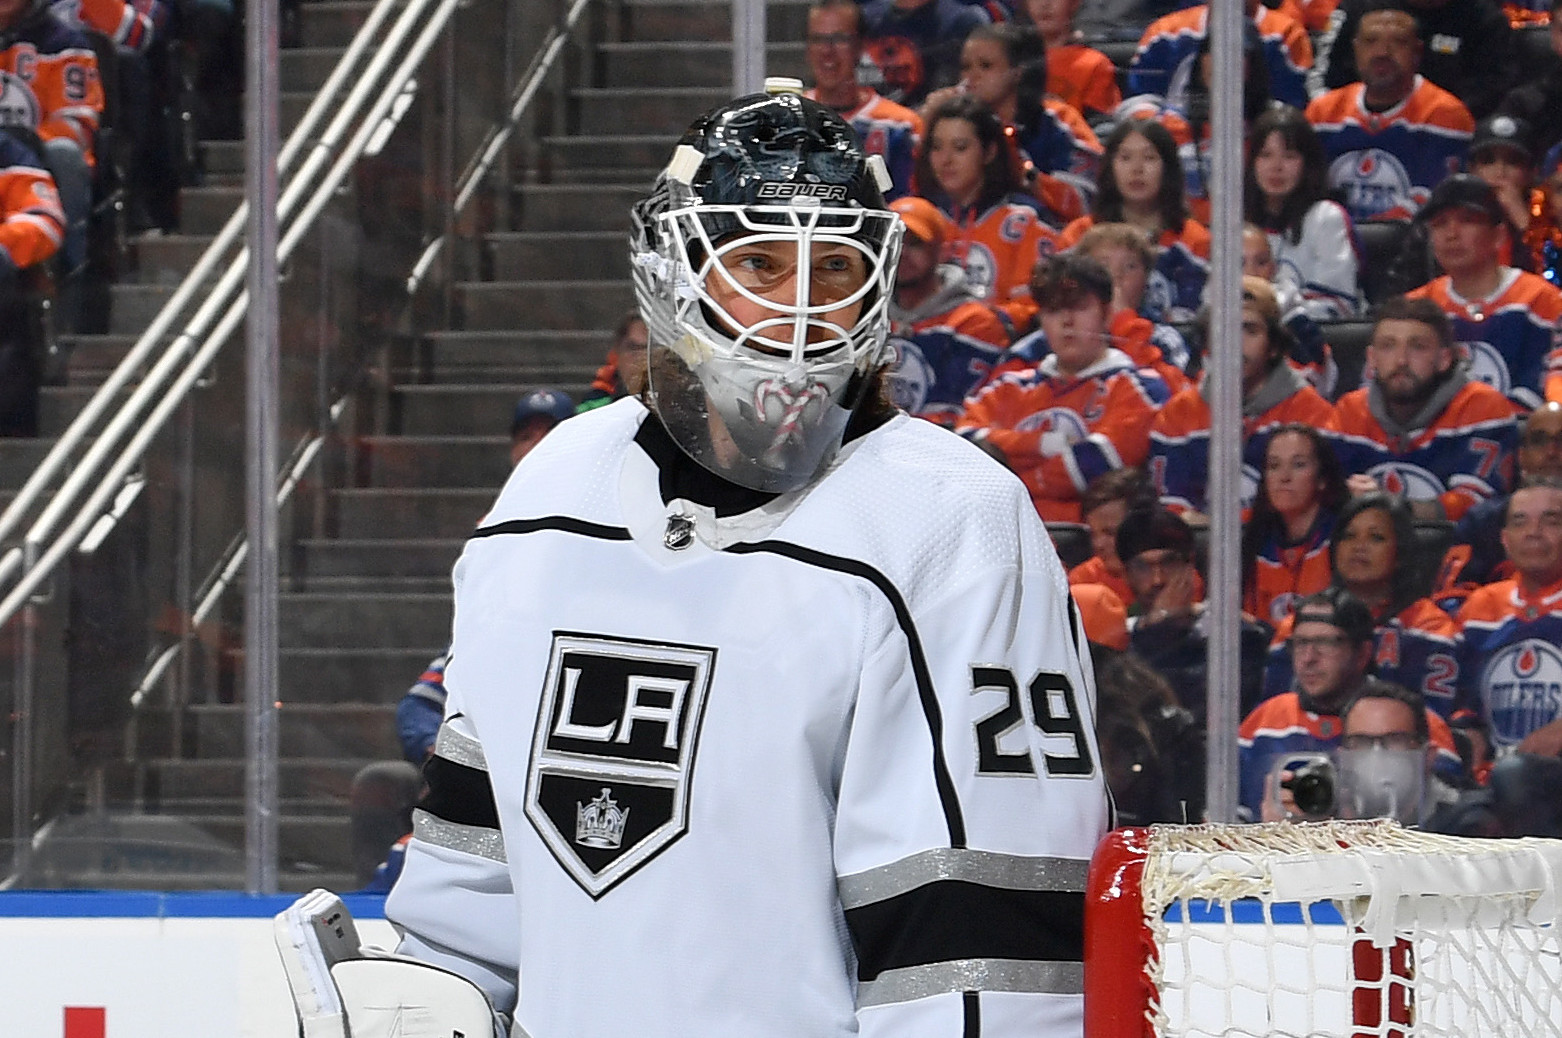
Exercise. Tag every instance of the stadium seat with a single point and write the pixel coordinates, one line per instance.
(1380, 243)
(1072, 541)
(1348, 341)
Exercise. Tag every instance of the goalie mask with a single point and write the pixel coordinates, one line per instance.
(763, 262)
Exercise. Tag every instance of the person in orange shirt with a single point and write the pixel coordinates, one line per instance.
(1141, 183)
(1084, 410)
(1102, 507)
(1080, 75)
(996, 234)
(1285, 544)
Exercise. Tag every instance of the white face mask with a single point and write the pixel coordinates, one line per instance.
(1382, 783)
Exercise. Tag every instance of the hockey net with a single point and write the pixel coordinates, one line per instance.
(1329, 929)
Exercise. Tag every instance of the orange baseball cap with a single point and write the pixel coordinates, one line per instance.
(921, 218)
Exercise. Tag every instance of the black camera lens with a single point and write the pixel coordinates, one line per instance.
(1312, 787)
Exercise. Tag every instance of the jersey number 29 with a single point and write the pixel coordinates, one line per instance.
(1053, 709)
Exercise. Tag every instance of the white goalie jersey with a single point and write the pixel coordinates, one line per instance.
(819, 768)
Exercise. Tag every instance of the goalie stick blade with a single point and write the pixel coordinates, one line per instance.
(315, 933)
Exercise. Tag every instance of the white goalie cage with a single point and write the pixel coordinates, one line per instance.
(1349, 929)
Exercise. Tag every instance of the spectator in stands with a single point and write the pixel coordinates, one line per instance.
(916, 43)
(946, 340)
(1103, 506)
(1386, 757)
(1005, 67)
(1170, 628)
(834, 48)
(1373, 555)
(51, 89)
(1080, 75)
(1141, 183)
(1504, 318)
(1285, 192)
(1084, 410)
(1511, 630)
(1477, 556)
(1273, 394)
(1422, 427)
(1285, 542)
(623, 372)
(1331, 647)
(1168, 50)
(1392, 136)
(32, 225)
(535, 415)
(996, 234)
(1538, 99)
(1469, 49)
(1152, 749)
(1500, 155)
(1189, 123)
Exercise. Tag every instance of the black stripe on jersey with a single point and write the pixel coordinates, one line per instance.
(954, 818)
(1074, 625)
(972, 1002)
(952, 920)
(562, 523)
(459, 794)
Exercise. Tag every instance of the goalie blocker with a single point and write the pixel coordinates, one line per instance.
(345, 989)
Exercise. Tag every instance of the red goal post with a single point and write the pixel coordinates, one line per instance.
(1327, 930)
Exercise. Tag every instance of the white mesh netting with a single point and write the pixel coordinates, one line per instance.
(1351, 929)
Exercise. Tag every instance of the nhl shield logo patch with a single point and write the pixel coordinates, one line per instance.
(613, 753)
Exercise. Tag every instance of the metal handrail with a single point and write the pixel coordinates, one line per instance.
(487, 154)
(156, 389)
(228, 568)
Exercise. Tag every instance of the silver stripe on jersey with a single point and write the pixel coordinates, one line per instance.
(468, 839)
(939, 978)
(459, 749)
(989, 868)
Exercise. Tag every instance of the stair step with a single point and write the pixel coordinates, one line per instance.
(526, 255)
(679, 20)
(436, 461)
(331, 23)
(689, 63)
(165, 259)
(529, 348)
(317, 619)
(365, 513)
(90, 358)
(323, 842)
(304, 730)
(58, 405)
(426, 559)
(578, 207)
(222, 156)
(574, 379)
(639, 176)
(635, 110)
(462, 409)
(307, 68)
(594, 151)
(562, 305)
(350, 675)
(204, 210)
(306, 784)
(20, 458)
(134, 306)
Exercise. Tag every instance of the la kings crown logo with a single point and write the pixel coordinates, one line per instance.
(612, 756)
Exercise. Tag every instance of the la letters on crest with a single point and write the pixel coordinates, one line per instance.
(612, 754)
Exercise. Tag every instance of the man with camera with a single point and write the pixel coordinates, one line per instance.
(1331, 655)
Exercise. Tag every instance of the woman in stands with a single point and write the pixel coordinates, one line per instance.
(1285, 543)
(1373, 556)
(1285, 192)
(1080, 75)
(997, 236)
(1005, 66)
(1141, 183)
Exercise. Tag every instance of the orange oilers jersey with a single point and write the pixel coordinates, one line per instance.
(1463, 455)
(131, 25)
(1179, 441)
(49, 82)
(1136, 336)
(1284, 574)
(1313, 14)
(1058, 433)
(1511, 336)
(1084, 77)
(1169, 48)
(1093, 571)
(887, 129)
(1386, 163)
(32, 225)
(940, 357)
(1510, 658)
(998, 249)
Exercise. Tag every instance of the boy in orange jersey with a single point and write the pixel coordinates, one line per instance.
(1273, 394)
(1422, 427)
(49, 86)
(1084, 410)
